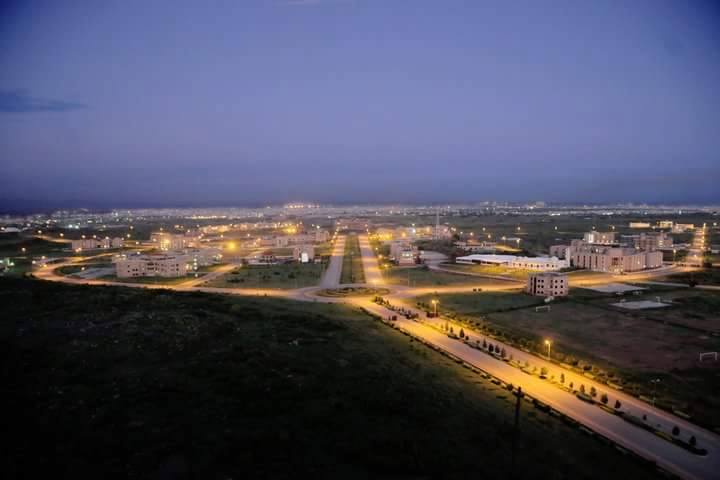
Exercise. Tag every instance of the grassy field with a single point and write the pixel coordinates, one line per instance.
(636, 345)
(494, 270)
(110, 382)
(352, 269)
(484, 302)
(705, 276)
(285, 276)
(422, 277)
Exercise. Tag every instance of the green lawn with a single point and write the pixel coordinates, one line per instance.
(285, 276)
(111, 382)
(423, 277)
(494, 270)
(352, 270)
(483, 302)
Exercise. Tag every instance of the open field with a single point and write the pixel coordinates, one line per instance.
(482, 303)
(634, 345)
(283, 276)
(493, 270)
(352, 269)
(424, 277)
(705, 276)
(110, 382)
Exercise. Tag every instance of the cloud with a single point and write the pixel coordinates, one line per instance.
(19, 101)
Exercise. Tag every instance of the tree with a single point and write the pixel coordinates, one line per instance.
(582, 388)
(675, 431)
(462, 333)
(617, 404)
(693, 441)
(502, 352)
(593, 392)
(451, 330)
(562, 378)
(491, 348)
(543, 371)
(484, 343)
(604, 398)
(571, 385)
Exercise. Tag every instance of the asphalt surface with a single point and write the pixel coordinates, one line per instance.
(331, 277)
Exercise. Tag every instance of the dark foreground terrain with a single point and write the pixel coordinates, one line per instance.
(104, 382)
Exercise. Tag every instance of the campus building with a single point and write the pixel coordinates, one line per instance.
(304, 253)
(96, 243)
(600, 238)
(404, 253)
(653, 241)
(613, 259)
(172, 241)
(151, 266)
(512, 261)
(547, 284)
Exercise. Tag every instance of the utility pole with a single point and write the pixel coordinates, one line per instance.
(519, 395)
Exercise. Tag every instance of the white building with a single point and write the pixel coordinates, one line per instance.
(96, 243)
(304, 253)
(151, 266)
(172, 241)
(526, 263)
(601, 238)
(404, 253)
(548, 284)
(639, 224)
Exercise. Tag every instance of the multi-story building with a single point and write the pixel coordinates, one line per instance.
(96, 243)
(404, 253)
(639, 224)
(151, 266)
(600, 238)
(613, 259)
(548, 284)
(653, 241)
(172, 241)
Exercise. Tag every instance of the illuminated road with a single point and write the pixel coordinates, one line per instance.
(331, 277)
(373, 276)
(646, 444)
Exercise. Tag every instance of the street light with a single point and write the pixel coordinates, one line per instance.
(435, 304)
(654, 381)
(549, 344)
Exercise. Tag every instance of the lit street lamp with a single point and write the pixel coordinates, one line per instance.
(654, 381)
(435, 304)
(548, 343)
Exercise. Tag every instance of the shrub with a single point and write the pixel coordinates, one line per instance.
(604, 398)
(593, 392)
(618, 404)
(675, 431)
(693, 441)
(562, 378)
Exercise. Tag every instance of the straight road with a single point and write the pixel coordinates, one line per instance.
(331, 277)
(373, 276)
(650, 446)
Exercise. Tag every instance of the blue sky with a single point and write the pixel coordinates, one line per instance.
(174, 103)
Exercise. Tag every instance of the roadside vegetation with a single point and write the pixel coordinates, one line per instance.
(112, 382)
(283, 276)
(352, 269)
(626, 348)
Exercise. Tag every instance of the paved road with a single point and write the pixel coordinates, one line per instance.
(669, 456)
(331, 277)
(370, 265)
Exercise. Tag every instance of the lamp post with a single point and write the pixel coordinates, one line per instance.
(435, 304)
(548, 343)
(654, 381)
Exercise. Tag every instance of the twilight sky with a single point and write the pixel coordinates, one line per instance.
(163, 103)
